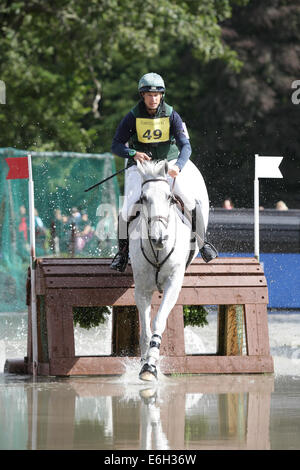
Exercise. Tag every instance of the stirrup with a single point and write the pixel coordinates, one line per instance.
(208, 252)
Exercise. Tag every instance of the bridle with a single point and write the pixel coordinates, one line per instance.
(158, 218)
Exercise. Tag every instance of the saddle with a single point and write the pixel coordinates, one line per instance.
(188, 216)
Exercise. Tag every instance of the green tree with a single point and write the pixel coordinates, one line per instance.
(57, 57)
(235, 115)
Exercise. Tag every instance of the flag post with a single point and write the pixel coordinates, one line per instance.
(256, 211)
(32, 269)
(265, 167)
(20, 168)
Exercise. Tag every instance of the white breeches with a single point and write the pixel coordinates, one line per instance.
(189, 186)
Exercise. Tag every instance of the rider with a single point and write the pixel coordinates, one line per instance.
(152, 130)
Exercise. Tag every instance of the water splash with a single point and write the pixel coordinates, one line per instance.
(284, 334)
(132, 369)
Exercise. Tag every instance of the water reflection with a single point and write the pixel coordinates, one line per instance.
(196, 412)
(152, 434)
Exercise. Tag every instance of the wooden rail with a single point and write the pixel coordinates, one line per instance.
(236, 285)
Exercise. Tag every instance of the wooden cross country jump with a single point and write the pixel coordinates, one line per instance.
(236, 285)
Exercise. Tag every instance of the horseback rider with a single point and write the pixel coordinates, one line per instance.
(152, 130)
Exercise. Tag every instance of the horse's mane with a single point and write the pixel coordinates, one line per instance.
(153, 169)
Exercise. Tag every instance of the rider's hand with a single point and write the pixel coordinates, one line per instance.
(174, 171)
(140, 156)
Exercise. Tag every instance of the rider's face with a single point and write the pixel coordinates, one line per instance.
(152, 100)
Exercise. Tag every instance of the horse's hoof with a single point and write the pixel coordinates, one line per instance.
(147, 377)
(148, 396)
(148, 393)
(148, 373)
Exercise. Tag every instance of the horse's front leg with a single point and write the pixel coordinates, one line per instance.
(172, 289)
(171, 292)
(143, 303)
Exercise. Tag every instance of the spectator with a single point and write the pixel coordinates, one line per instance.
(65, 234)
(227, 204)
(57, 232)
(75, 215)
(281, 206)
(39, 226)
(84, 232)
(40, 234)
(23, 225)
(23, 234)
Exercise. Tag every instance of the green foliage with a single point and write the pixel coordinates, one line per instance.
(196, 428)
(60, 58)
(71, 70)
(194, 315)
(89, 317)
(235, 115)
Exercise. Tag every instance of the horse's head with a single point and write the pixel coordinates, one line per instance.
(156, 198)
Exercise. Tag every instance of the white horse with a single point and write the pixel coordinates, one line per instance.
(159, 248)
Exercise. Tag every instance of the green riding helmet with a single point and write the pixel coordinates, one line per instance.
(151, 82)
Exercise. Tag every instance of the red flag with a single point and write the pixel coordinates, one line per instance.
(18, 168)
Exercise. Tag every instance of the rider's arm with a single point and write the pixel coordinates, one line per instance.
(182, 141)
(123, 133)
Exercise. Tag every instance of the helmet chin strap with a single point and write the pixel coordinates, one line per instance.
(160, 104)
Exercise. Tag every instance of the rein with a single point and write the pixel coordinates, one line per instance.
(165, 220)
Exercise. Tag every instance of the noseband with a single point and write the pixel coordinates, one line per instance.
(165, 220)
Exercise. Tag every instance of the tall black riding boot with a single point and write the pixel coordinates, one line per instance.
(120, 261)
(207, 251)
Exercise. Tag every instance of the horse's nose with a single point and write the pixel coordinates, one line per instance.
(159, 242)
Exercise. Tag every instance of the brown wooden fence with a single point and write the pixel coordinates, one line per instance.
(236, 285)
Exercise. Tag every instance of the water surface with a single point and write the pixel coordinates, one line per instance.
(178, 412)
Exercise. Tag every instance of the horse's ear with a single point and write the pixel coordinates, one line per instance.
(140, 167)
(161, 168)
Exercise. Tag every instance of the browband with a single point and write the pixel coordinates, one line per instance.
(155, 179)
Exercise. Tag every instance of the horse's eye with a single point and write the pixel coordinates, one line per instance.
(143, 198)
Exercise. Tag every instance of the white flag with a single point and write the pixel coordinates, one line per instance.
(267, 167)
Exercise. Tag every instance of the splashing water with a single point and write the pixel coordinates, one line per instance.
(284, 334)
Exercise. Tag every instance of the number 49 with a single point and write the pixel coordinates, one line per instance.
(156, 134)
